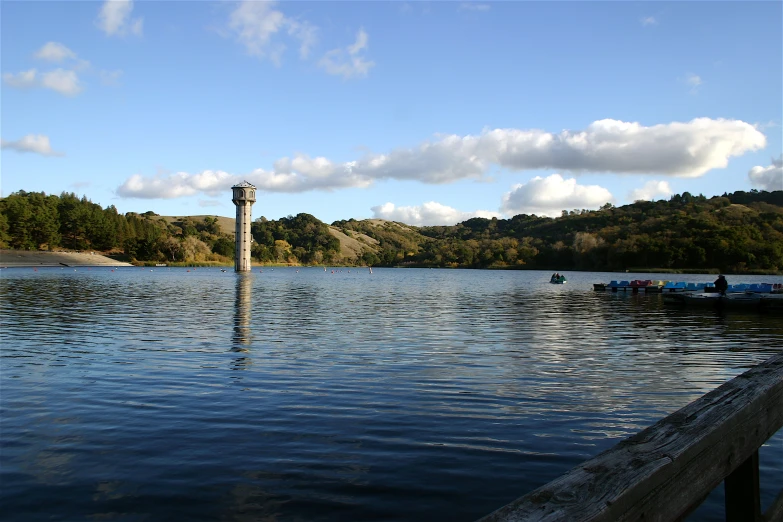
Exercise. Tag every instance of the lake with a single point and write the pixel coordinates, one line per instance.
(302, 394)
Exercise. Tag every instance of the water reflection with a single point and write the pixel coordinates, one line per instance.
(242, 336)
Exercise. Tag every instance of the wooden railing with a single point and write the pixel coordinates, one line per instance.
(666, 471)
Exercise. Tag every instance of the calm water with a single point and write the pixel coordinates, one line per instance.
(174, 394)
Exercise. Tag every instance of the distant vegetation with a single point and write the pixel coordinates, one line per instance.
(737, 232)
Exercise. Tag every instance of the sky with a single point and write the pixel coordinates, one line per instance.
(428, 113)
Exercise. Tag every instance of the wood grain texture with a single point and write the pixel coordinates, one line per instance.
(665, 471)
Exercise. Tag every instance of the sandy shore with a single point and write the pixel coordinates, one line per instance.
(22, 258)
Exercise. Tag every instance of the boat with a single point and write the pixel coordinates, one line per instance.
(738, 300)
(619, 286)
(558, 280)
(655, 286)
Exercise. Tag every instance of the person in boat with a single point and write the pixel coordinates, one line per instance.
(721, 285)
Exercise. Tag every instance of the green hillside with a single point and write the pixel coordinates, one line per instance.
(738, 232)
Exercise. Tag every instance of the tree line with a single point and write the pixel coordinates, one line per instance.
(36, 221)
(737, 232)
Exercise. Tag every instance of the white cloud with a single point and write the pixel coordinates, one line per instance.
(472, 6)
(35, 143)
(649, 20)
(768, 178)
(652, 190)
(176, 185)
(551, 195)
(111, 77)
(21, 80)
(54, 52)
(63, 81)
(257, 25)
(306, 33)
(607, 146)
(677, 149)
(428, 214)
(58, 53)
(114, 19)
(694, 81)
(349, 62)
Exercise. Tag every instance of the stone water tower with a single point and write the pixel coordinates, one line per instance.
(244, 197)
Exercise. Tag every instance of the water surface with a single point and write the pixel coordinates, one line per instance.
(304, 394)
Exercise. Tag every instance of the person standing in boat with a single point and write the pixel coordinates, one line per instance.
(721, 285)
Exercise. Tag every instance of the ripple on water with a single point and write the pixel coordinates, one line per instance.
(405, 394)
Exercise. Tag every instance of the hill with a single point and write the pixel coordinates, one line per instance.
(226, 224)
(737, 232)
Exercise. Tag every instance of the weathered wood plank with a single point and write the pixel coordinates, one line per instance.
(743, 494)
(663, 472)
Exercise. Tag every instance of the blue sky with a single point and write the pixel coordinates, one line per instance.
(421, 112)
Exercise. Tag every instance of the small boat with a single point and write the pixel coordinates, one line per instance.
(558, 280)
(655, 286)
(616, 286)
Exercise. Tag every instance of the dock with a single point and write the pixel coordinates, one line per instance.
(666, 471)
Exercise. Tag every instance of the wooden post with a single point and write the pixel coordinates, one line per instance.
(743, 502)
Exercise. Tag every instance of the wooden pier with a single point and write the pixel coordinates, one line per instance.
(666, 471)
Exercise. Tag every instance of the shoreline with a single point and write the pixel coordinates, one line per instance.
(38, 258)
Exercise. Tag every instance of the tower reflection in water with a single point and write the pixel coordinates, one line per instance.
(241, 338)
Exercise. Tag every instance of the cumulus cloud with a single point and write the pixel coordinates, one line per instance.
(649, 20)
(651, 190)
(607, 146)
(21, 80)
(35, 143)
(257, 26)
(349, 62)
(58, 53)
(176, 185)
(551, 195)
(54, 52)
(770, 177)
(63, 81)
(428, 214)
(114, 19)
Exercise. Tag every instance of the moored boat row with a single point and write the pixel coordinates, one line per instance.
(658, 286)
